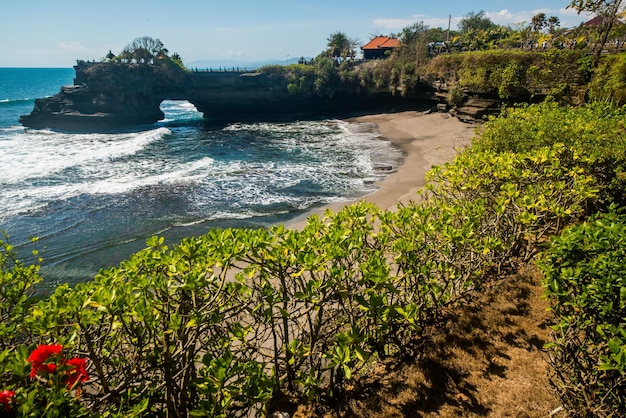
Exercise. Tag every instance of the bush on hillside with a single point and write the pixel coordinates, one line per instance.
(609, 80)
(586, 285)
(510, 73)
(594, 134)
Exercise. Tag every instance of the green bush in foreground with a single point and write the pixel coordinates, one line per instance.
(16, 285)
(585, 283)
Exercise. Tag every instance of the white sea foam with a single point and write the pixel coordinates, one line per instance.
(148, 175)
(42, 154)
(60, 166)
(177, 110)
(177, 177)
(46, 166)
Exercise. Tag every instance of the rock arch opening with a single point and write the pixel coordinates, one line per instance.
(179, 111)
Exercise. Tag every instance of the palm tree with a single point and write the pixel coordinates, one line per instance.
(553, 24)
(538, 22)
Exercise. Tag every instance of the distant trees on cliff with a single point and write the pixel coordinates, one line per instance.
(144, 47)
(340, 46)
(475, 22)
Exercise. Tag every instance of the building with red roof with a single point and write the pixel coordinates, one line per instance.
(596, 21)
(378, 47)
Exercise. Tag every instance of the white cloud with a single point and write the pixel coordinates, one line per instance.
(503, 17)
(568, 17)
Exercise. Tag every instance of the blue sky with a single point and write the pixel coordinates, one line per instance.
(54, 33)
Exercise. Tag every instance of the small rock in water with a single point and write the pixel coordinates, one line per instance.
(383, 168)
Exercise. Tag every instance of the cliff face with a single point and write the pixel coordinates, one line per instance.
(111, 96)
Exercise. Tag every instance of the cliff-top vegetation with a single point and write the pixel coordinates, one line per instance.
(528, 61)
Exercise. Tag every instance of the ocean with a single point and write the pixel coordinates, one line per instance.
(94, 199)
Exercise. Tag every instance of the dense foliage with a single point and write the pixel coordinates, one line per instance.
(594, 134)
(322, 77)
(520, 63)
(144, 47)
(609, 81)
(149, 50)
(230, 322)
(586, 285)
(516, 73)
(584, 267)
(510, 74)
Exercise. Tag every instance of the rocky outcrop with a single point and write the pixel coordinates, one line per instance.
(111, 96)
(475, 105)
(108, 96)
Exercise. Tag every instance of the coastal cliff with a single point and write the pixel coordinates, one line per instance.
(124, 94)
(114, 95)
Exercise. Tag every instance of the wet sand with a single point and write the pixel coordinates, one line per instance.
(425, 139)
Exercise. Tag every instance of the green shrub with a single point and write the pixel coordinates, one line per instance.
(585, 283)
(17, 281)
(509, 73)
(512, 199)
(594, 134)
(608, 83)
(456, 96)
(151, 324)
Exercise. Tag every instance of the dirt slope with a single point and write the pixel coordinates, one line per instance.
(484, 360)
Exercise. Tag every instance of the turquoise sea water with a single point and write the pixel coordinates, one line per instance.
(93, 199)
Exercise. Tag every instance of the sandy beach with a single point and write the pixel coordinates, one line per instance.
(425, 139)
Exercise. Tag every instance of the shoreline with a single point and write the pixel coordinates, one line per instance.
(425, 140)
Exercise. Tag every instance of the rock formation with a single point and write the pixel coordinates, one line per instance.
(109, 96)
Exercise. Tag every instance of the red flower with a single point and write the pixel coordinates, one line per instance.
(6, 398)
(42, 354)
(77, 371)
(46, 358)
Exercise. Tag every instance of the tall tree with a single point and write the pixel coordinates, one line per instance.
(607, 10)
(145, 47)
(538, 22)
(410, 34)
(553, 24)
(475, 21)
(353, 45)
(414, 39)
(340, 46)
